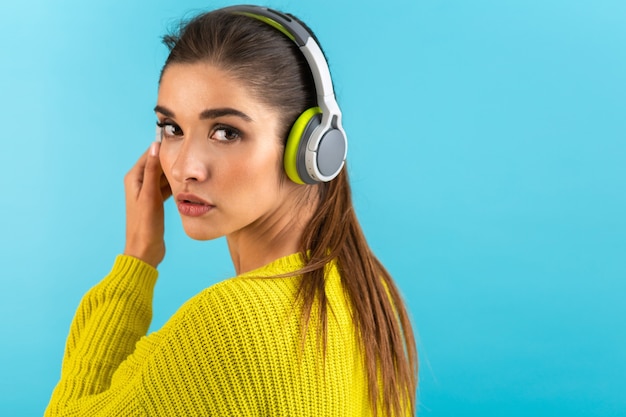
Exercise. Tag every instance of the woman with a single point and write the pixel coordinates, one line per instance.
(312, 324)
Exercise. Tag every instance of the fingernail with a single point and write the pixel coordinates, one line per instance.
(154, 148)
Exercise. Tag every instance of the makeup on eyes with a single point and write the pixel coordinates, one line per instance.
(167, 128)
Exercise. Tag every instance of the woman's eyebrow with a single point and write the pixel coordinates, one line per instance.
(225, 111)
(209, 113)
(164, 111)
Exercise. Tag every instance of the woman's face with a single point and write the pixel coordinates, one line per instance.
(220, 152)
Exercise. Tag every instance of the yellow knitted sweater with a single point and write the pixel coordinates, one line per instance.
(234, 349)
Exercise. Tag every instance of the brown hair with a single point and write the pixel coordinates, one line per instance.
(277, 74)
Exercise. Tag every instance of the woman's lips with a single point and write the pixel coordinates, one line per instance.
(192, 205)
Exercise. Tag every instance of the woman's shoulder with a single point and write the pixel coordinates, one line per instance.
(241, 294)
(278, 275)
(263, 297)
(275, 283)
(272, 287)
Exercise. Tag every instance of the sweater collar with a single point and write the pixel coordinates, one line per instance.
(284, 265)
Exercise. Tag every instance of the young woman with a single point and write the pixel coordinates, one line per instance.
(251, 148)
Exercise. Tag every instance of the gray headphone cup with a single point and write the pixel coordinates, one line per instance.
(330, 153)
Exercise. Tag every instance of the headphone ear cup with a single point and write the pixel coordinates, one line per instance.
(294, 159)
(330, 154)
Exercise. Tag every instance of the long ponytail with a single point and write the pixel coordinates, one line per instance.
(379, 314)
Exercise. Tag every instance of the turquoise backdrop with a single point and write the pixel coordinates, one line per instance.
(487, 155)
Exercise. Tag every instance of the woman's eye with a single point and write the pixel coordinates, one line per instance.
(170, 130)
(225, 134)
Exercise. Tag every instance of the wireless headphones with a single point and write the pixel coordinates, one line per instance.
(317, 145)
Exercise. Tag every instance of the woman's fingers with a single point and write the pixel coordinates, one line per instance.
(134, 178)
(152, 174)
(146, 189)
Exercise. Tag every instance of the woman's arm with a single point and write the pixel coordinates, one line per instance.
(114, 314)
(110, 320)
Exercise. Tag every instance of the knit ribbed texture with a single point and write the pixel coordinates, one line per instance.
(233, 349)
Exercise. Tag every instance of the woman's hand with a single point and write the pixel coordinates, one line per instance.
(146, 190)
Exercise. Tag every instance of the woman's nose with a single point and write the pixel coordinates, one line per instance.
(191, 163)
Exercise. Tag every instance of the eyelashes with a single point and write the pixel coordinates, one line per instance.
(224, 133)
(219, 132)
(169, 130)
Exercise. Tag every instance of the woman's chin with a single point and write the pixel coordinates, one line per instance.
(201, 234)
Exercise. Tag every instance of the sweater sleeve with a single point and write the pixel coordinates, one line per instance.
(110, 319)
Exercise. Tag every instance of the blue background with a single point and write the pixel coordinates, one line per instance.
(487, 151)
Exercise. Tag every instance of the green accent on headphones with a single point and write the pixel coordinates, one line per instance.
(290, 156)
(270, 22)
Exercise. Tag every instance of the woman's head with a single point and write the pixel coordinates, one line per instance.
(232, 86)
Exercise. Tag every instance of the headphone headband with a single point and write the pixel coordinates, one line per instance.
(301, 36)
